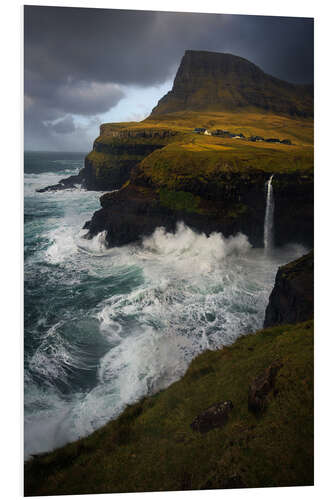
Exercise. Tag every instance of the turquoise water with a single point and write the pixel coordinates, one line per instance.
(104, 327)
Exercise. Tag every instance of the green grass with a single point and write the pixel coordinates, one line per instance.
(183, 167)
(151, 446)
(265, 124)
(180, 200)
(187, 159)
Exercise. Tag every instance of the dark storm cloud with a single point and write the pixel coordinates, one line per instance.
(78, 97)
(80, 61)
(64, 126)
(143, 47)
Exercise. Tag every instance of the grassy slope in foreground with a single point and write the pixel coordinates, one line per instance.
(151, 446)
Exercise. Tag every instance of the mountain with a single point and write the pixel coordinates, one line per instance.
(211, 81)
(164, 172)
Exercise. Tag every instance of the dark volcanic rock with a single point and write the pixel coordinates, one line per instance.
(128, 215)
(293, 209)
(69, 183)
(215, 416)
(291, 300)
(261, 387)
(238, 206)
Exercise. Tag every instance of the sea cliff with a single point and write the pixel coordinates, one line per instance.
(214, 181)
(166, 172)
(212, 185)
(241, 411)
(292, 298)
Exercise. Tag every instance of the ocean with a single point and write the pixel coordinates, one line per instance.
(105, 327)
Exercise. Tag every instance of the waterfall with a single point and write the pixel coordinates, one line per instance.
(269, 218)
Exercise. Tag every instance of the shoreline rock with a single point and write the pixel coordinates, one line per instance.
(236, 204)
(292, 298)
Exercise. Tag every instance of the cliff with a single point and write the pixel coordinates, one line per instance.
(117, 150)
(224, 82)
(212, 185)
(292, 299)
(166, 172)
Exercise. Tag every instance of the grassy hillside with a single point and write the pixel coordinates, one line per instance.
(151, 446)
(298, 130)
(208, 156)
(225, 82)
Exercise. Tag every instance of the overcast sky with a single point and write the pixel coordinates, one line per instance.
(84, 67)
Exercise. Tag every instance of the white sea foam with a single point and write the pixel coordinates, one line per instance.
(55, 357)
(62, 246)
(197, 252)
(191, 292)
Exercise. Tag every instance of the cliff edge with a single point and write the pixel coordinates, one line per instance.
(292, 298)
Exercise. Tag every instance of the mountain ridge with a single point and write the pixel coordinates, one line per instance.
(224, 82)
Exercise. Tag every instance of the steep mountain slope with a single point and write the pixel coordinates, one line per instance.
(224, 82)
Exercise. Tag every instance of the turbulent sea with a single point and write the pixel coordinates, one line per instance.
(104, 327)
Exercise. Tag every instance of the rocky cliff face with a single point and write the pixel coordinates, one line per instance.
(236, 203)
(291, 300)
(224, 82)
(167, 173)
(109, 165)
(115, 153)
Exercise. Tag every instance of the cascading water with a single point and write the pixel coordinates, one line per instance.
(104, 327)
(269, 217)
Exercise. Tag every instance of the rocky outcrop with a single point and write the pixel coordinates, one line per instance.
(215, 416)
(68, 183)
(224, 82)
(291, 300)
(260, 388)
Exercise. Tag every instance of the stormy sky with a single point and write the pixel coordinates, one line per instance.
(83, 67)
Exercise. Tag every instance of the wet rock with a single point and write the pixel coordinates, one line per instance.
(261, 386)
(69, 183)
(215, 416)
(135, 211)
(291, 300)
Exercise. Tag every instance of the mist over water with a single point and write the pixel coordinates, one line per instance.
(104, 327)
